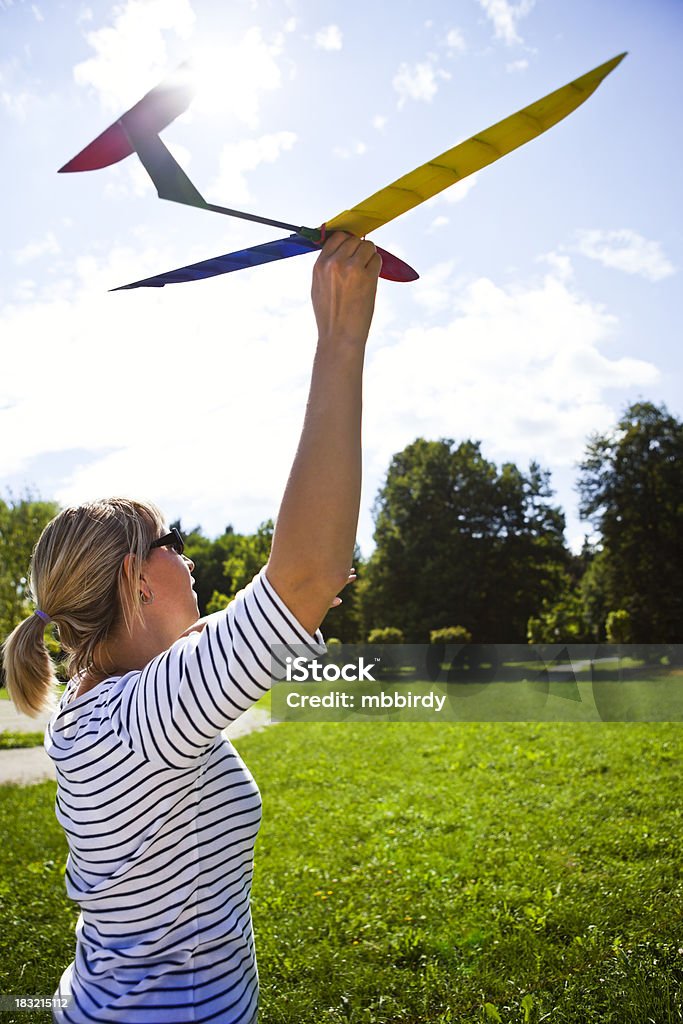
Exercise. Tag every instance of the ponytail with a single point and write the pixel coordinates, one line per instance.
(29, 672)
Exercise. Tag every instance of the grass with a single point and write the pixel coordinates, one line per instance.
(447, 867)
(4, 695)
(434, 873)
(12, 740)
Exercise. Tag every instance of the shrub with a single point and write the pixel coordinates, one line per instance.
(450, 635)
(334, 649)
(618, 627)
(388, 635)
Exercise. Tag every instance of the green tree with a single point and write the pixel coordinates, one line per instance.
(592, 590)
(561, 621)
(631, 489)
(226, 564)
(344, 622)
(460, 541)
(209, 557)
(22, 520)
(248, 554)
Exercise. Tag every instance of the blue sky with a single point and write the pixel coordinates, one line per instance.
(549, 295)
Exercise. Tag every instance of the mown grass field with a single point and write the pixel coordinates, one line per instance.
(436, 873)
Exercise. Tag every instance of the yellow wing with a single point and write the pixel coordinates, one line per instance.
(470, 156)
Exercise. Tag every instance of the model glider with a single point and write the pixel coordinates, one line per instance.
(137, 131)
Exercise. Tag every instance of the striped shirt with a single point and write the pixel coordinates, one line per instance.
(161, 816)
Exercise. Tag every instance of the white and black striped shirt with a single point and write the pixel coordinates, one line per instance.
(161, 816)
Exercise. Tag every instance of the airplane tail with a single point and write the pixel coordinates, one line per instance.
(145, 120)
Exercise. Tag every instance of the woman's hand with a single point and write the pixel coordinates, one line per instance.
(352, 579)
(344, 287)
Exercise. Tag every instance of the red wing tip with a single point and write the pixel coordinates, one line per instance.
(394, 269)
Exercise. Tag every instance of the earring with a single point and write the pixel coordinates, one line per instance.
(144, 599)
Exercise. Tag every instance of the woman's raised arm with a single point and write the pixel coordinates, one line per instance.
(316, 527)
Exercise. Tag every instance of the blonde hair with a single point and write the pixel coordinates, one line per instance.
(77, 578)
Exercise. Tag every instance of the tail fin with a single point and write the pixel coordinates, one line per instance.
(147, 118)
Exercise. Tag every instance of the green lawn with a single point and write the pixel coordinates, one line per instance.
(11, 740)
(441, 873)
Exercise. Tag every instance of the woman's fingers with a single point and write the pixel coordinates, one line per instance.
(343, 290)
(352, 577)
(349, 247)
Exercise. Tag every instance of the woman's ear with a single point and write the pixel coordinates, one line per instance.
(127, 567)
(133, 593)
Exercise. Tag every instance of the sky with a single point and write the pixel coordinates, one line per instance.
(549, 295)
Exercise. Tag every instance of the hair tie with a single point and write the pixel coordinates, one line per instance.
(42, 615)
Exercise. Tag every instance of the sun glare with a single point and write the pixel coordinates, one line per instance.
(232, 79)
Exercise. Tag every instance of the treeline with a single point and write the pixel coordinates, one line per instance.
(461, 542)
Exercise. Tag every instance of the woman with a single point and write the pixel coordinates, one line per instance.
(160, 813)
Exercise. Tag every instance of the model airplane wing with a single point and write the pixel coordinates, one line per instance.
(280, 249)
(393, 269)
(470, 156)
(147, 118)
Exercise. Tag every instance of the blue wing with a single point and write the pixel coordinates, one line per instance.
(280, 249)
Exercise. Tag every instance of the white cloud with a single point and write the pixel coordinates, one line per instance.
(560, 263)
(379, 122)
(46, 246)
(455, 41)
(17, 104)
(453, 193)
(178, 421)
(456, 193)
(16, 99)
(418, 81)
(628, 251)
(329, 38)
(37, 13)
(438, 222)
(517, 65)
(238, 158)
(505, 16)
(131, 53)
(347, 152)
(522, 368)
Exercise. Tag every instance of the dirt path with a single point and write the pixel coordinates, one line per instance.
(31, 764)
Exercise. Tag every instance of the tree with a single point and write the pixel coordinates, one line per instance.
(344, 622)
(209, 557)
(248, 554)
(460, 541)
(562, 621)
(631, 489)
(22, 520)
(225, 565)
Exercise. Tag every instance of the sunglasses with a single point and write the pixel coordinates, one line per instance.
(170, 540)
